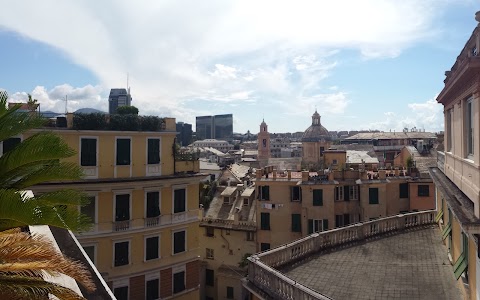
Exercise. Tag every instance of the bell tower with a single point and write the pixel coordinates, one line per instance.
(263, 142)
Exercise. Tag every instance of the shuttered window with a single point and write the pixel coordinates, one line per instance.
(265, 221)
(121, 254)
(178, 282)
(153, 289)
(123, 152)
(122, 207)
(88, 152)
(296, 223)
(151, 245)
(179, 241)
(403, 190)
(153, 204)
(179, 201)
(373, 196)
(317, 197)
(153, 151)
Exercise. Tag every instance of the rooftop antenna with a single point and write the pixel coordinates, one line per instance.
(128, 88)
(66, 104)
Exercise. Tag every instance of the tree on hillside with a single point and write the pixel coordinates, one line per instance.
(127, 110)
(35, 160)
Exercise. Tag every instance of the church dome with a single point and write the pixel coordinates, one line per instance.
(316, 132)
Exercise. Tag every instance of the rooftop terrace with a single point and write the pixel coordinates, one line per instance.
(399, 257)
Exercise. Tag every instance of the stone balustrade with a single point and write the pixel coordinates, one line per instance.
(262, 267)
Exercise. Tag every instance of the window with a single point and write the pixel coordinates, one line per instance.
(346, 193)
(469, 125)
(179, 241)
(295, 193)
(153, 152)
(209, 231)
(209, 277)
(373, 196)
(10, 143)
(354, 192)
(403, 190)
(121, 253)
(338, 196)
(123, 152)
(152, 289)
(226, 200)
(153, 204)
(296, 223)
(121, 293)
(229, 292)
(89, 210)
(423, 191)
(265, 221)
(90, 250)
(250, 236)
(88, 152)
(264, 192)
(264, 246)
(209, 254)
(449, 129)
(122, 207)
(317, 225)
(178, 282)
(317, 197)
(342, 220)
(179, 201)
(245, 201)
(151, 248)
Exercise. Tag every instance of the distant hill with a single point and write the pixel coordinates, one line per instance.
(88, 111)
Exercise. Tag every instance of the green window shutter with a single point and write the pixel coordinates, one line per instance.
(179, 201)
(373, 196)
(325, 224)
(296, 223)
(317, 197)
(265, 221)
(267, 192)
(310, 226)
(460, 266)
(446, 231)
(123, 152)
(153, 151)
(346, 193)
(439, 216)
(403, 190)
(88, 152)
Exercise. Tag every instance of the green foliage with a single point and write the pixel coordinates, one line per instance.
(409, 162)
(92, 121)
(127, 110)
(35, 160)
(207, 191)
(244, 262)
(124, 122)
(152, 123)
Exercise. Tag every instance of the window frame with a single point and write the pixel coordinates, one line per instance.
(159, 151)
(96, 150)
(116, 150)
(469, 128)
(230, 292)
(117, 193)
(400, 193)
(152, 277)
(423, 193)
(145, 209)
(267, 226)
(94, 245)
(317, 202)
(209, 253)
(264, 191)
(121, 284)
(449, 129)
(177, 270)
(296, 220)
(207, 281)
(370, 201)
(338, 193)
(12, 137)
(184, 187)
(292, 192)
(208, 233)
(95, 197)
(185, 249)
(128, 254)
(159, 246)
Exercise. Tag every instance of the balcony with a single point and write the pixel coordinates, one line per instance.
(143, 223)
(441, 160)
(401, 255)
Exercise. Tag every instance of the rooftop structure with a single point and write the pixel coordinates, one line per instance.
(117, 98)
(398, 257)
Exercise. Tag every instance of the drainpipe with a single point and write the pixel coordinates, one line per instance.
(173, 153)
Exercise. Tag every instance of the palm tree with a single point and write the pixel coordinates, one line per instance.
(37, 159)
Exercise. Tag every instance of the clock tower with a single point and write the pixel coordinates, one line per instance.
(263, 142)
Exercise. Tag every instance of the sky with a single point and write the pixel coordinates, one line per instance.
(362, 64)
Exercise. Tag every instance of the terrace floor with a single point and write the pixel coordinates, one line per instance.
(410, 265)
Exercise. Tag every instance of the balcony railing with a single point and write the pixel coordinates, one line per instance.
(262, 267)
(441, 160)
(136, 224)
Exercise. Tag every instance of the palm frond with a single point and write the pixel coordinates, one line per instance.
(57, 208)
(50, 172)
(14, 122)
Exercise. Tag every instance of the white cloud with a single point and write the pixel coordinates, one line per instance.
(226, 51)
(426, 115)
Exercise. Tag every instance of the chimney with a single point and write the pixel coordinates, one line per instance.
(259, 174)
(382, 174)
(289, 174)
(274, 171)
(305, 176)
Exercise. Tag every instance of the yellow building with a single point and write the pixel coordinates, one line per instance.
(227, 234)
(294, 204)
(457, 177)
(144, 206)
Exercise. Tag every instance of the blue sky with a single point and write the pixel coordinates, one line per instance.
(371, 64)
